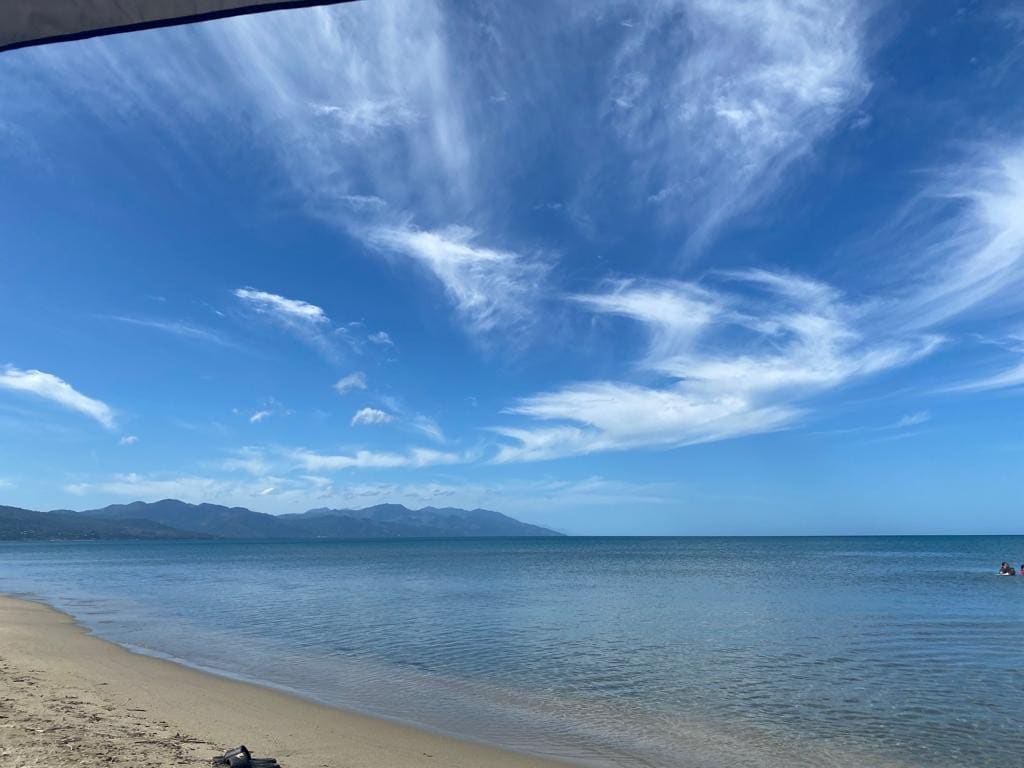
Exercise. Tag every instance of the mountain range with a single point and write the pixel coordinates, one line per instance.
(173, 519)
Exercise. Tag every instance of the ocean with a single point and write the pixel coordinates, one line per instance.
(702, 652)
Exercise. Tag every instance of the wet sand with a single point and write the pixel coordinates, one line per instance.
(67, 697)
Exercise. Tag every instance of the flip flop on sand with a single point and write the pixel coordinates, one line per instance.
(240, 757)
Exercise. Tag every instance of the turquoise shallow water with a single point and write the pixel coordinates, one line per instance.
(902, 651)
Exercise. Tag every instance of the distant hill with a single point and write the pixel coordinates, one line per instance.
(396, 520)
(26, 524)
(208, 519)
(381, 521)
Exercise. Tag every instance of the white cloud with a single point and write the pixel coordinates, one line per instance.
(129, 440)
(56, 390)
(741, 362)
(911, 420)
(816, 341)
(415, 457)
(382, 120)
(620, 417)
(295, 493)
(368, 416)
(177, 328)
(381, 338)
(716, 99)
(187, 488)
(971, 258)
(259, 416)
(363, 202)
(490, 288)
(359, 120)
(906, 421)
(306, 321)
(279, 306)
(247, 459)
(1008, 379)
(351, 382)
(674, 313)
(427, 426)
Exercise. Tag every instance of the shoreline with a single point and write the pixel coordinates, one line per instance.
(69, 691)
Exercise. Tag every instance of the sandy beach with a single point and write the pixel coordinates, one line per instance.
(69, 697)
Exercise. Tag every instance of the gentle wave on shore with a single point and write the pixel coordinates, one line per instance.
(840, 651)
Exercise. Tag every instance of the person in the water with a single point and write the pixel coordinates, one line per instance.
(1007, 570)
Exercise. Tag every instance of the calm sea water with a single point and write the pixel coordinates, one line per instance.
(880, 651)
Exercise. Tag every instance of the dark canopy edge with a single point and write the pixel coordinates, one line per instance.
(173, 21)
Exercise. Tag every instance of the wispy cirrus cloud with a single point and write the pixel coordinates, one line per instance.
(965, 243)
(715, 100)
(286, 310)
(54, 389)
(748, 355)
(369, 113)
(382, 120)
(743, 359)
(910, 420)
(962, 248)
(259, 416)
(306, 321)
(426, 426)
(906, 421)
(414, 457)
(490, 288)
(1010, 378)
(177, 328)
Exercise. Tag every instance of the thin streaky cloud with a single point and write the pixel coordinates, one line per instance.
(1010, 378)
(176, 328)
(196, 489)
(306, 321)
(904, 422)
(816, 344)
(415, 457)
(426, 426)
(491, 288)
(279, 306)
(910, 420)
(973, 260)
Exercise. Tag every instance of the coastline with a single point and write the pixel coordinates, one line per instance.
(66, 691)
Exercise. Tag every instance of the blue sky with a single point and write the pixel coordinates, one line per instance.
(614, 267)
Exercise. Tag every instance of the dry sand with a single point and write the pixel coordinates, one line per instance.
(68, 698)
